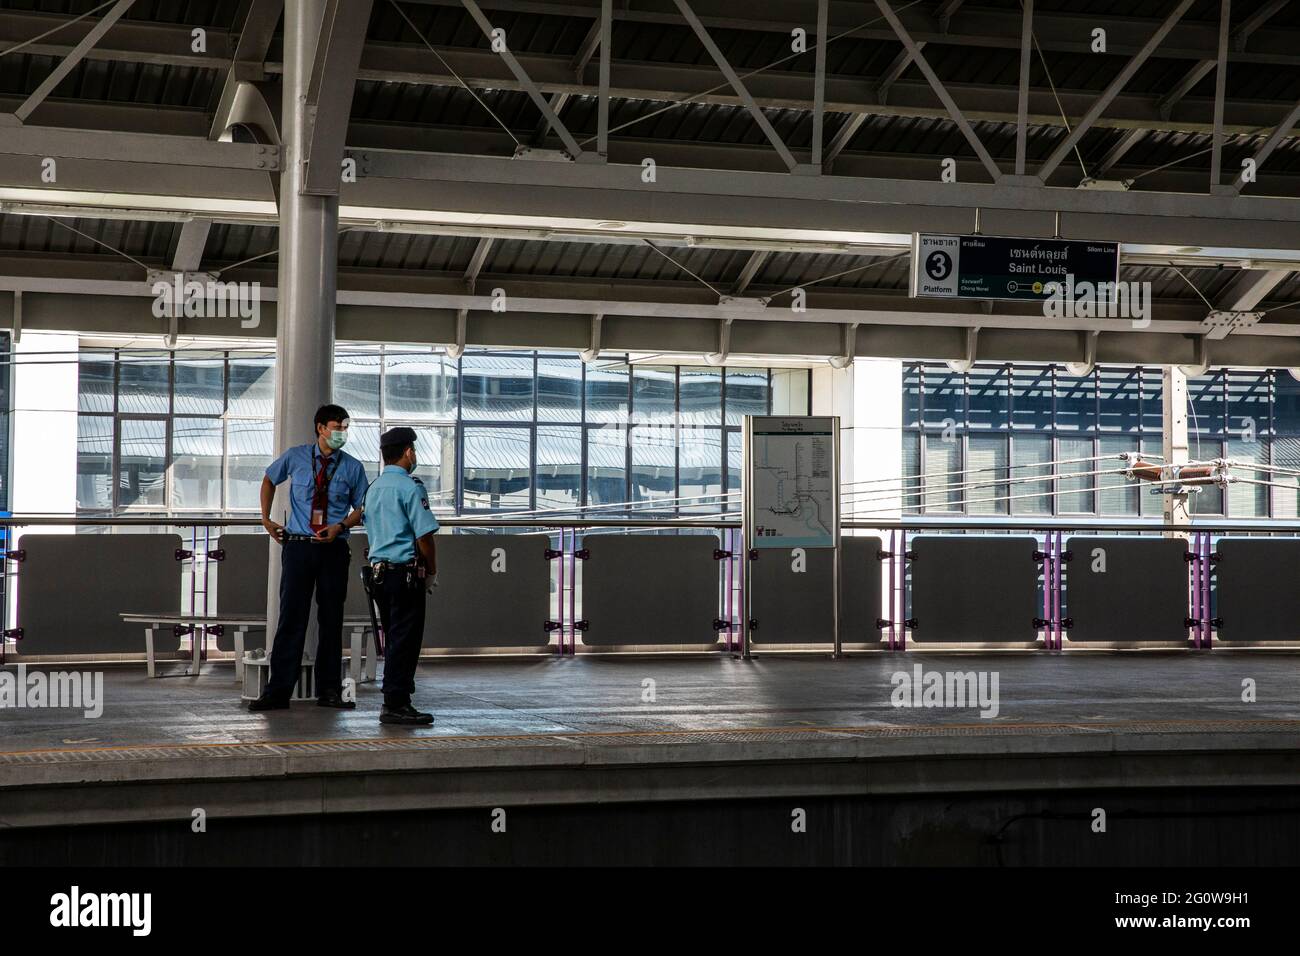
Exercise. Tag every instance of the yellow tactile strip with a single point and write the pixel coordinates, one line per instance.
(166, 751)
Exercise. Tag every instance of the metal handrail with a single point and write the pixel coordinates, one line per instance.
(913, 523)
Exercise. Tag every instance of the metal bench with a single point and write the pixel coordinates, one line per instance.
(201, 626)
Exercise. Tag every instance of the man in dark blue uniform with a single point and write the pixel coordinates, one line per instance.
(404, 567)
(327, 489)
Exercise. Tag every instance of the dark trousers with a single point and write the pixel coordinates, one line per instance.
(306, 567)
(401, 612)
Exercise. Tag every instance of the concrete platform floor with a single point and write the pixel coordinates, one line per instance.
(590, 694)
(787, 724)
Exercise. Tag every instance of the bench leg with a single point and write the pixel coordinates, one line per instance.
(354, 657)
(239, 655)
(151, 660)
(196, 651)
(372, 656)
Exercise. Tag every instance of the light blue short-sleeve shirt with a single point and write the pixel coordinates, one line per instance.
(298, 466)
(397, 513)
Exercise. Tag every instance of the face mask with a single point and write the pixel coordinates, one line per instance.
(411, 470)
(337, 439)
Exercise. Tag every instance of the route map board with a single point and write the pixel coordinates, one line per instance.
(792, 482)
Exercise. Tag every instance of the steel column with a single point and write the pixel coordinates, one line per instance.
(308, 273)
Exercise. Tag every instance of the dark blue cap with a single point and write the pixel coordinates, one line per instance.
(397, 437)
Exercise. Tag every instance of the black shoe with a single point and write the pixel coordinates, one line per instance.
(267, 702)
(333, 698)
(405, 714)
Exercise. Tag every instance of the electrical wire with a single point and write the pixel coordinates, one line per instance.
(62, 26)
(455, 75)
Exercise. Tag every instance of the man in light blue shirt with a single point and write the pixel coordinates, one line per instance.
(404, 566)
(327, 488)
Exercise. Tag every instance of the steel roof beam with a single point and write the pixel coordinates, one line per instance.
(1118, 83)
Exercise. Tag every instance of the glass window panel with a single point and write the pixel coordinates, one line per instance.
(735, 469)
(1209, 500)
(559, 390)
(435, 461)
(252, 386)
(94, 461)
(945, 402)
(911, 396)
(1248, 404)
(790, 391)
(607, 391)
(1076, 403)
(747, 394)
(1286, 404)
(1153, 413)
(1206, 409)
(356, 383)
(420, 385)
(1116, 495)
(1030, 455)
(1120, 403)
(559, 466)
(606, 464)
(654, 462)
(700, 469)
(200, 384)
(1077, 493)
(363, 445)
(990, 398)
(1286, 454)
(142, 463)
(144, 384)
(197, 454)
(701, 395)
(95, 382)
(1245, 500)
(654, 395)
(250, 447)
(942, 474)
(986, 491)
(1031, 397)
(911, 499)
(497, 471)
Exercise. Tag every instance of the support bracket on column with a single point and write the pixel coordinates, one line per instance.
(592, 353)
(964, 365)
(850, 339)
(724, 343)
(457, 349)
(1088, 340)
(1202, 358)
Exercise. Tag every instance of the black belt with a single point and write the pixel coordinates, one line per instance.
(395, 565)
(308, 537)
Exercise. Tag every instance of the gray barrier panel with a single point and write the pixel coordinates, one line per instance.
(649, 589)
(239, 584)
(980, 588)
(73, 587)
(1126, 589)
(794, 607)
(1256, 592)
(494, 590)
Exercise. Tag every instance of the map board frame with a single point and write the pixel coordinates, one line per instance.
(787, 430)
